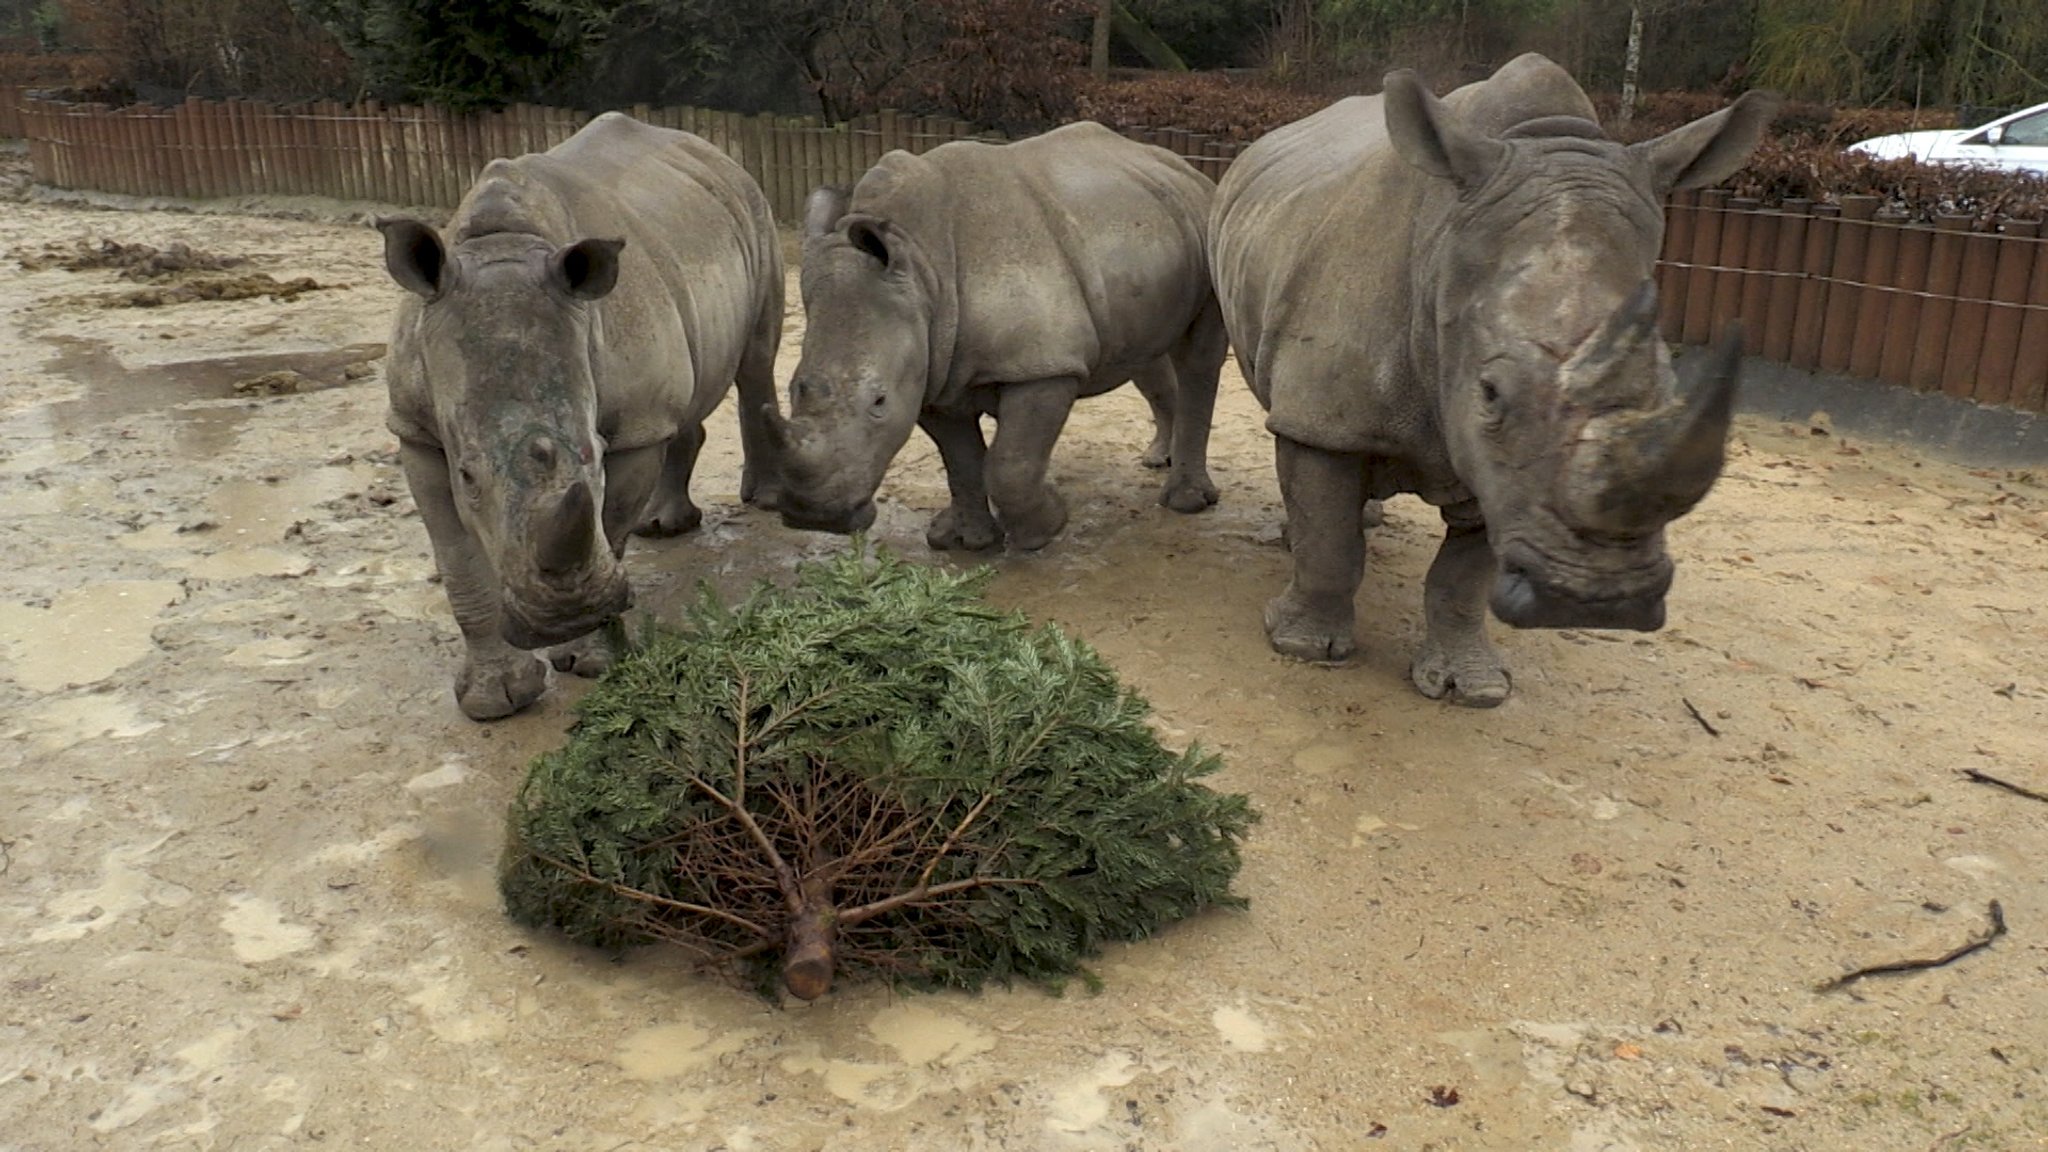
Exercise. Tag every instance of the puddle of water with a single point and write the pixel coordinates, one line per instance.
(670, 1051)
(258, 930)
(115, 392)
(85, 635)
(124, 888)
(1240, 1029)
(248, 517)
(923, 1036)
(60, 724)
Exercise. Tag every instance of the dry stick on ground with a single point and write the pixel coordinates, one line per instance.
(1974, 944)
(1711, 730)
(2009, 786)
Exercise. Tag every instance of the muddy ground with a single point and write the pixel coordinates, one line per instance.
(246, 893)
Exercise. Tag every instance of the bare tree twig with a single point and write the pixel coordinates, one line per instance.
(1942, 1141)
(661, 901)
(1975, 943)
(1711, 730)
(2009, 786)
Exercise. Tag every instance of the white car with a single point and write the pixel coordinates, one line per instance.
(2016, 143)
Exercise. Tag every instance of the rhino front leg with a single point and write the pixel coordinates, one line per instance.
(1457, 660)
(1029, 419)
(966, 523)
(760, 472)
(671, 512)
(496, 679)
(1197, 362)
(1156, 384)
(1324, 493)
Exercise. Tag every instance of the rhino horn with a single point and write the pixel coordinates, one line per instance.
(566, 532)
(1637, 470)
(1601, 372)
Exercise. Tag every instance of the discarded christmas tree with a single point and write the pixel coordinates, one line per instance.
(873, 772)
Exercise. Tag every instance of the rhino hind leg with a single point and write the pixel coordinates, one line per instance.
(588, 656)
(1457, 660)
(1156, 384)
(1029, 419)
(670, 511)
(1325, 496)
(966, 524)
(1197, 365)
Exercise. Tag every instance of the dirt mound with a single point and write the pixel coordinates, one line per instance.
(215, 288)
(142, 262)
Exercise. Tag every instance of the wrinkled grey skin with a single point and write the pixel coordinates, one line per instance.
(1007, 280)
(1453, 298)
(550, 372)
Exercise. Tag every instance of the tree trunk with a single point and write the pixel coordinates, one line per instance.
(1632, 65)
(1098, 60)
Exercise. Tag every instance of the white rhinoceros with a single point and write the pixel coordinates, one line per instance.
(551, 371)
(1453, 298)
(1009, 280)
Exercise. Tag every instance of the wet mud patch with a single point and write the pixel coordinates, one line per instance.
(114, 391)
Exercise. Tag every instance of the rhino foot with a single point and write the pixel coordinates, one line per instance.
(671, 518)
(1189, 496)
(1038, 524)
(500, 687)
(1473, 675)
(756, 492)
(952, 531)
(1160, 454)
(587, 656)
(1296, 630)
(1373, 514)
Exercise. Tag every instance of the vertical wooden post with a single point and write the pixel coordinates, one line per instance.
(2030, 363)
(1972, 314)
(1706, 250)
(1874, 299)
(1727, 302)
(1680, 212)
(2017, 251)
(1845, 275)
(1810, 319)
(1754, 304)
(1937, 310)
(1902, 319)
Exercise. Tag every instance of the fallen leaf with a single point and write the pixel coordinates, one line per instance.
(1628, 1051)
(1443, 1096)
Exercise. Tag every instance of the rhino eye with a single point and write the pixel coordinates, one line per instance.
(467, 477)
(1488, 392)
(879, 403)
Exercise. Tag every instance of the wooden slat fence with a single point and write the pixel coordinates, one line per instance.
(1841, 288)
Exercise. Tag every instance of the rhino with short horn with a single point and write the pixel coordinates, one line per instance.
(1454, 298)
(1007, 280)
(550, 372)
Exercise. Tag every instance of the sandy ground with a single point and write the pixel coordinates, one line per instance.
(246, 839)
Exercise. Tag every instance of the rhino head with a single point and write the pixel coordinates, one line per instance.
(503, 344)
(860, 381)
(1559, 403)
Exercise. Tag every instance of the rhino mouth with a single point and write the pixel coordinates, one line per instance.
(532, 626)
(844, 522)
(1523, 598)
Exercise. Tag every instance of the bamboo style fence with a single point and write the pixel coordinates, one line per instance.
(1839, 288)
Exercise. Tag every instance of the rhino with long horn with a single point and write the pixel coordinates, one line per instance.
(1454, 298)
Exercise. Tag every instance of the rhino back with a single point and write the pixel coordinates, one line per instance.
(701, 261)
(1075, 253)
(1323, 240)
(1310, 238)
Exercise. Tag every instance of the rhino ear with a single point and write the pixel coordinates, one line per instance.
(1712, 148)
(587, 269)
(871, 237)
(1428, 135)
(414, 255)
(823, 210)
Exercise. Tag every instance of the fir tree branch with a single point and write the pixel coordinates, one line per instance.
(953, 838)
(792, 894)
(921, 894)
(660, 901)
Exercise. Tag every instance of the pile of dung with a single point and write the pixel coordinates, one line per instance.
(245, 287)
(141, 262)
(873, 773)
